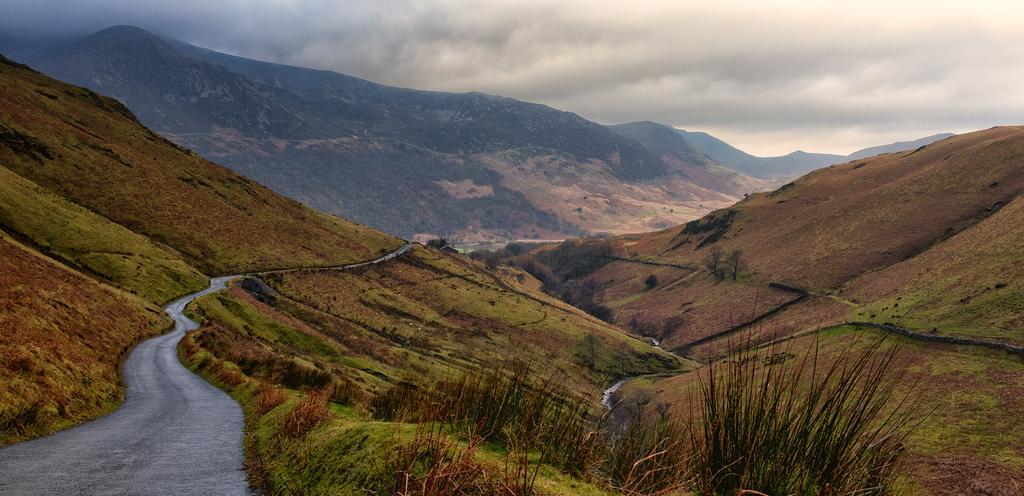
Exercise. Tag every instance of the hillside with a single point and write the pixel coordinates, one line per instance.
(968, 403)
(929, 240)
(92, 244)
(471, 166)
(824, 231)
(969, 285)
(427, 314)
(91, 151)
(677, 150)
(61, 338)
(899, 146)
(774, 168)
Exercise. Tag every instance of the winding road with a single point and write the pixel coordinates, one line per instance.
(175, 434)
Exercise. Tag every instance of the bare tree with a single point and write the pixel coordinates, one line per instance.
(713, 261)
(734, 263)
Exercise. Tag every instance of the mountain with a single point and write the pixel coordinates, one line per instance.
(476, 167)
(928, 239)
(776, 168)
(102, 220)
(899, 146)
(787, 166)
(680, 154)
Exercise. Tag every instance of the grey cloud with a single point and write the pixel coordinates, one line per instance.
(825, 76)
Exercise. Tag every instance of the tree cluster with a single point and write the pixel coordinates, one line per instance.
(722, 264)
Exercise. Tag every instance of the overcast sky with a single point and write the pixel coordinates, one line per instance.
(828, 76)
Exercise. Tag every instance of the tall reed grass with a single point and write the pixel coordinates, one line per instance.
(800, 425)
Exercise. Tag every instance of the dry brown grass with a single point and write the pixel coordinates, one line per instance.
(836, 224)
(62, 337)
(268, 398)
(310, 412)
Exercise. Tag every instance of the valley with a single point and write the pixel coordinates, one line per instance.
(220, 275)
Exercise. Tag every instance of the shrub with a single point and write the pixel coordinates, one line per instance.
(437, 242)
(651, 281)
(22, 418)
(435, 464)
(432, 464)
(649, 456)
(345, 392)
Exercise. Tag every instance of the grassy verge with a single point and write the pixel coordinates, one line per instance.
(305, 442)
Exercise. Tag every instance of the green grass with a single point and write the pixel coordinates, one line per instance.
(980, 310)
(91, 243)
(801, 425)
(436, 314)
(350, 453)
(247, 319)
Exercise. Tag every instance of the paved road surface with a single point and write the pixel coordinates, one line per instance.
(175, 434)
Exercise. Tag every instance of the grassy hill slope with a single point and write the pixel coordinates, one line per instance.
(91, 150)
(826, 230)
(929, 239)
(429, 315)
(346, 338)
(836, 223)
(968, 403)
(92, 244)
(970, 285)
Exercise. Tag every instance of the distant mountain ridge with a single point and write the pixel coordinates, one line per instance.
(791, 165)
(472, 166)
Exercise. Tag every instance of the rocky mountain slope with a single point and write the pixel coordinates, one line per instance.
(476, 167)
